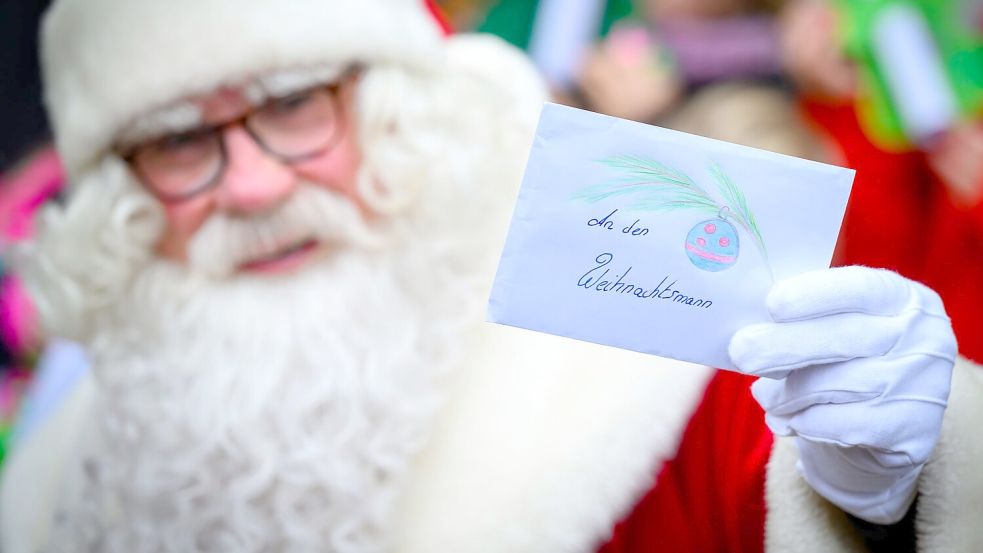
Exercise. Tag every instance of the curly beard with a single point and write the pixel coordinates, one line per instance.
(262, 414)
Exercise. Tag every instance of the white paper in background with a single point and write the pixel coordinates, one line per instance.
(912, 65)
(658, 241)
(562, 32)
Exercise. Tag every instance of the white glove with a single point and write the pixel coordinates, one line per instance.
(857, 364)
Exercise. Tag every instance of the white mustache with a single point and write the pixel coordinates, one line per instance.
(227, 241)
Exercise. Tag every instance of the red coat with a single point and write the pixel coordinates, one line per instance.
(710, 496)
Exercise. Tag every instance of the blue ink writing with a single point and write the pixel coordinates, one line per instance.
(604, 223)
(635, 231)
(595, 280)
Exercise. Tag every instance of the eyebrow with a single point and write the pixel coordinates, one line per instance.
(175, 118)
(289, 81)
(187, 115)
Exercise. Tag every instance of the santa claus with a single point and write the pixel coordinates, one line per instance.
(281, 228)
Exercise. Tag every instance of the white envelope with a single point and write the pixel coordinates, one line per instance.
(658, 241)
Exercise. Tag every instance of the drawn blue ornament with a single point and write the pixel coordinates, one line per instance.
(713, 245)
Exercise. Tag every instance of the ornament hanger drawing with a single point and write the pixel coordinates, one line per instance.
(712, 244)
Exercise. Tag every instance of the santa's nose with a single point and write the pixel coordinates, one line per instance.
(253, 180)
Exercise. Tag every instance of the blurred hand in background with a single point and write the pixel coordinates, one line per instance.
(957, 159)
(628, 75)
(811, 52)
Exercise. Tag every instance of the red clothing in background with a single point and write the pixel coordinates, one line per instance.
(901, 218)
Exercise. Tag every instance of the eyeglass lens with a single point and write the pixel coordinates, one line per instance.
(292, 128)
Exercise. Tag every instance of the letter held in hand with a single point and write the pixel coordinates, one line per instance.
(658, 241)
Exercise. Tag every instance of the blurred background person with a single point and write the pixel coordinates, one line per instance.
(912, 129)
(750, 114)
(642, 71)
(637, 59)
(557, 34)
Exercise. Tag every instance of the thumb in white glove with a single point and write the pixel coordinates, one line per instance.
(857, 366)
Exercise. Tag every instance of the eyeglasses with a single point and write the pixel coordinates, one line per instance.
(292, 128)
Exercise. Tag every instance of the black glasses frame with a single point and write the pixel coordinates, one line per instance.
(217, 131)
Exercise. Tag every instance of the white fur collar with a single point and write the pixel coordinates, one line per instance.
(545, 445)
(951, 490)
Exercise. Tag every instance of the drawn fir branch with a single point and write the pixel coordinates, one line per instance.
(737, 204)
(660, 188)
(665, 189)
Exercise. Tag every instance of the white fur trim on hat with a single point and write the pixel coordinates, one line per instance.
(105, 62)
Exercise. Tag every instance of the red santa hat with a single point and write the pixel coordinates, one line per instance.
(105, 62)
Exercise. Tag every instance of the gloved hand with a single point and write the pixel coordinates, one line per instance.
(857, 366)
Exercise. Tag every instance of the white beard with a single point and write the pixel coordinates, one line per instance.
(264, 414)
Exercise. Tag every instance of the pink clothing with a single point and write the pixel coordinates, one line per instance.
(21, 193)
(729, 48)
